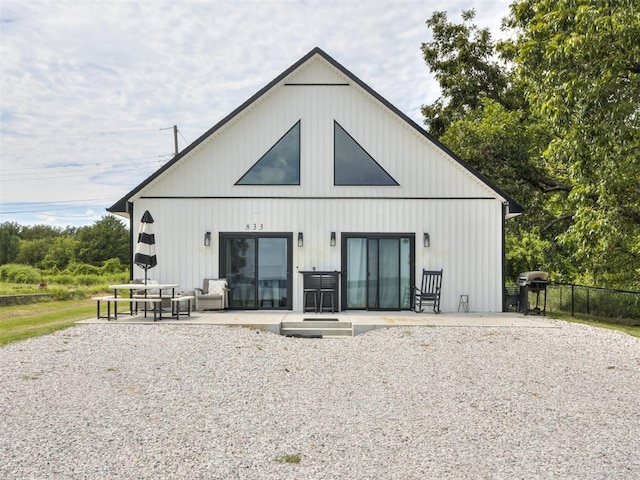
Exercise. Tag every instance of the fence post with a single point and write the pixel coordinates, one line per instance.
(588, 306)
(573, 299)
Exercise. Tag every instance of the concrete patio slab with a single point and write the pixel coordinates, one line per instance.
(362, 320)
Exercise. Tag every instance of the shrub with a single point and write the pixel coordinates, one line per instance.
(89, 279)
(60, 293)
(61, 278)
(113, 265)
(14, 273)
(84, 269)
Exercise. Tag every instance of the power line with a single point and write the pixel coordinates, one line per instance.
(63, 201)
(86, 134)
(88, 164)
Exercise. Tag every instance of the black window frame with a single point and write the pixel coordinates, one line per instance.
(299, 160)
(335, 167)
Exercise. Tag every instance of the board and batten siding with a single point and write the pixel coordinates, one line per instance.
(421, 168)
(459, 229)
(436, 193)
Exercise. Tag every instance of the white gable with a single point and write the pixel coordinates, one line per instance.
(317, 94)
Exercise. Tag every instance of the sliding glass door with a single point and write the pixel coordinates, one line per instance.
(379, 271)
(258, 270)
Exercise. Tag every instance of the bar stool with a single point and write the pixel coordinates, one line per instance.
(328, 287)
(464, 303)
(312, 285)
(314, 294)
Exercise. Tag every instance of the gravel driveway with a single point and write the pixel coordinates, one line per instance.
(211, 402)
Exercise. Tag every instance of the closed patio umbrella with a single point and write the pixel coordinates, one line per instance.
(146, 248)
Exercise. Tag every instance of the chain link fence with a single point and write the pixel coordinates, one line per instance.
(602, 302)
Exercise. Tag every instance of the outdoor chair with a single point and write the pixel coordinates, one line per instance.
(213, 295)
(429, 291)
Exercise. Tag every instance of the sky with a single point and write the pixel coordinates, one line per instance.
(90, 89)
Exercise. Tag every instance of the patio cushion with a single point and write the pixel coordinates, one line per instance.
(216, 287)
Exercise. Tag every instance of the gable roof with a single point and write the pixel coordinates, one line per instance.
(121, 206)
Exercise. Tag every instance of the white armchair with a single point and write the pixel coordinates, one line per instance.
(213, 295)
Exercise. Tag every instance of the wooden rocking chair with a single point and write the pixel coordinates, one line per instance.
(429, 291)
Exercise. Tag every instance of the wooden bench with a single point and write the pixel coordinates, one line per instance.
(175, 304)
(133, 303)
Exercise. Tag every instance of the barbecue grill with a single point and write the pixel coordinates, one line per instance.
(534, 282)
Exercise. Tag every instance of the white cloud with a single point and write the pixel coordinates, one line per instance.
(75, 71)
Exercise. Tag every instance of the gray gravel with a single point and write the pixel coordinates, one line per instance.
(177, 401)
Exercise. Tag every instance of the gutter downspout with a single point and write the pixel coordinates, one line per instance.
(505, 207)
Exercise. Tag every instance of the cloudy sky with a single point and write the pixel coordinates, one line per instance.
(90, 89)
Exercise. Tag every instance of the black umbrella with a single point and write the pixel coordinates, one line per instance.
(146, 248)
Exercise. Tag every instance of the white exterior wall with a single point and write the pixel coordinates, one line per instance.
(465, 238)
(436, 194)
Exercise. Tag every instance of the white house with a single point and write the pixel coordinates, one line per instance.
(318, 172)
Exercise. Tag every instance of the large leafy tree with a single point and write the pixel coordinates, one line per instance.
(580, 60)
(462, 57)
(9, 242)
(559, 135)
(106, 238)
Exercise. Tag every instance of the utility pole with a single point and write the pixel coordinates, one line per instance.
(175, 139)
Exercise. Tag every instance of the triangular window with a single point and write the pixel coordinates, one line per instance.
(280, 165)
(353, 165)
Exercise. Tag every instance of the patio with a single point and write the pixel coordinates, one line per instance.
(362, 321)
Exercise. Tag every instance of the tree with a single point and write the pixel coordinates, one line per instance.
(552, 116)
(32, 252)
(38, 232)
(106, 238)
(507, 146)
(61, 252)
(9, 242)
(463, 58)
(581, 64)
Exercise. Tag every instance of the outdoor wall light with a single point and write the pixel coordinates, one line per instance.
(207, 239)
(333, 239)
(427, 240)
(299, 239)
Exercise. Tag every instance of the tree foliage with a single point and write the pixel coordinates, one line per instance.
(581, 62)
(56, 249)
(552, 116)
(462, 57)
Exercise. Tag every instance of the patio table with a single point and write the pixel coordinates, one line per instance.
(146, 288)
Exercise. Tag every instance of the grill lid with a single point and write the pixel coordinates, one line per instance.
(526, 278)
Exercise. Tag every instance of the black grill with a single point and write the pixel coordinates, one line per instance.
(534, 282)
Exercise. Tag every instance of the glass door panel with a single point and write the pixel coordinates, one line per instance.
(240, 258)
(389, 274)
(378, 271)
(356, 277)
(257, 269)
(373, 291)
(273, 288)
(405, 273)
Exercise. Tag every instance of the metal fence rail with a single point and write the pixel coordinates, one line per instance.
(603, 302)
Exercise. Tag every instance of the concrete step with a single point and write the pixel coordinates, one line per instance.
(317, 329)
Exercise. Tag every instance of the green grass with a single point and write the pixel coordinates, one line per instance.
(628, 326)
(19, 322)
(289, 458)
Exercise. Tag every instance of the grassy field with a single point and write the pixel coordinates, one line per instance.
(19, 322)
(628, 326)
